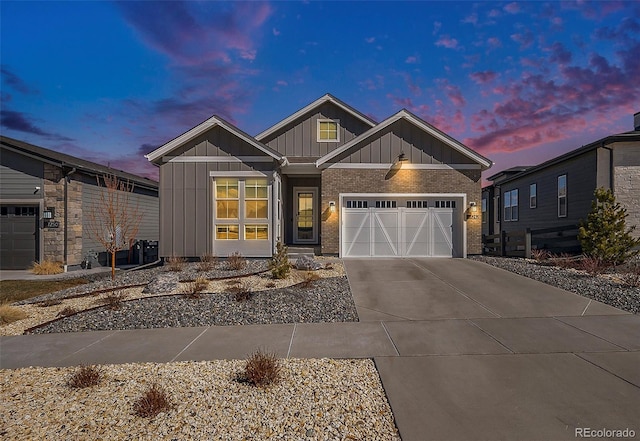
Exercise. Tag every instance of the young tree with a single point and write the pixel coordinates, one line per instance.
(112, 219)
(605, 236)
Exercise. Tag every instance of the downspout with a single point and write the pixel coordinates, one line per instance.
(610, 166)
(66, 215)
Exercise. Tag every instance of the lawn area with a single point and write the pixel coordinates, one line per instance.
(15, 290)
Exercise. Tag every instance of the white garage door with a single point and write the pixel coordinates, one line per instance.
(397, 232)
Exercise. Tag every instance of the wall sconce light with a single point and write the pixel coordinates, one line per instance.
(49, 213)
(473, 207)
(332, 206)
(402, 157)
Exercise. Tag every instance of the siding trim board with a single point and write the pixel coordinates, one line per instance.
(217, 159)
(382, 166)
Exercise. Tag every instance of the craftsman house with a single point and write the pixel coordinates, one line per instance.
(326, 177)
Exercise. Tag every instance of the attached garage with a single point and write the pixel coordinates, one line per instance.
(18, 236)
(402, 226)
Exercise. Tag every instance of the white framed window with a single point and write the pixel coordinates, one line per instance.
(484, 210)
(533, 195)
(328, 130)
(385, 204)
(256, 199)
(510, 199)
(227, 199)
(227, 232)
(256, 232)
(562, 196)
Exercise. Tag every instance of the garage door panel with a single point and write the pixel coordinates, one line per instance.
(442, 233)
(385, 233)
(357, 233)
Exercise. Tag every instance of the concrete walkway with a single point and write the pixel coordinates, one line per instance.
(464, 350)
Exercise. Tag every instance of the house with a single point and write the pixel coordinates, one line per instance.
(44, 201)
(558, 193)
(327, 177)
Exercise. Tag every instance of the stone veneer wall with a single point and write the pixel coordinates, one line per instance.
(336, 181)
(627, 192)
(53, 238)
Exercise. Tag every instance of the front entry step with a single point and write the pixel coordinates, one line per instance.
(295, 252)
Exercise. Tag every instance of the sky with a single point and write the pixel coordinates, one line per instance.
(519, 82)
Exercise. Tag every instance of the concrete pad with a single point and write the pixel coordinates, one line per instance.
(237, 342)
(368, 270)
(416, 300)
(625, 365)
(599, 308)
(46, 349)
(370, 315)
(503, 292)
(158, 345)
(622, 330)
(340, 340)
(441, 337)
(504, 397)
(542, 335)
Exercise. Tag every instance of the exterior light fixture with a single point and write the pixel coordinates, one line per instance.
(332, 206)
(473, 207)
(49, 213)
(402, 157)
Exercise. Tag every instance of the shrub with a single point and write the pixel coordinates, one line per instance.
(192, 290)
(631, 277)
(270, 285)
(564, 260)
(176, 263)
(604, 235)
(47, 267)
(592, 265)
(236, 261)
(280, 265)
(10, 314)
(309, 278)
(152, 402)
(85, 376)
(207, 262)
(540, 255)
(49, 302)
(242, 291)
(67, 311)
(261, 369)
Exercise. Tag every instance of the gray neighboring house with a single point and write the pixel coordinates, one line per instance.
(44, 197)
(559, 192)
(326, 177)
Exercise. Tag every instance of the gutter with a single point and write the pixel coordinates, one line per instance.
(66, 214)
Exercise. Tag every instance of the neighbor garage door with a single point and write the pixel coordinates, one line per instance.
(397, 232)
(18, 236)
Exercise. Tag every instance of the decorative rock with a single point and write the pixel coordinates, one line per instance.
(307, 263)
(163, 283)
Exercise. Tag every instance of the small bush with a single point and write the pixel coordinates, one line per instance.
(242, 291)
(280, 265)
(176, 263)
(631, 277)
(47, 267)
(10, 314)
(592, 265)
(270, 285)
(540, 255)
(207, 262)
(236, 261)
(152, 402)
(309, 278)
(49, 302)
(564, 260)
(85, 376)
(261, 369)
(113, 300)
(192, 290)
(67, 311)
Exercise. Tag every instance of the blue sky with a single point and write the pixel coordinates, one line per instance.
(519, 82)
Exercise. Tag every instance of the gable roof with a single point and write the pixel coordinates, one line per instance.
(203, 127)
(63, 160)
(327, 98)
(411, 118)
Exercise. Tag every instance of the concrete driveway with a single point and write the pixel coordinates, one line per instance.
(487, 354)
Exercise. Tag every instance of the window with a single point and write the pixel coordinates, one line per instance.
(511, 205)
(562, 196)
(328, 130)
(533, 195)
(227, 232)
(484, 210)
(256, 232)
(385, 204)
(256, 199)
(227, 198)
(357, 204)
(417, 204)
(445, 204)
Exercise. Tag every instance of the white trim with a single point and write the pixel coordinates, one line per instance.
(383, 166)
(237, 174)
(321, 120)
(403, 114)
(217, 159)
(203, 127)
(324, 99)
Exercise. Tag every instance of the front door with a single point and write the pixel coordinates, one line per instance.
(305, 213)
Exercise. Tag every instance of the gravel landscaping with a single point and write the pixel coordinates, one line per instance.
(605, 288)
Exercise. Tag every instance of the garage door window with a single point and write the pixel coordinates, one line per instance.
(417, 204)
(356, 204)
(445, 204)
(385, 204)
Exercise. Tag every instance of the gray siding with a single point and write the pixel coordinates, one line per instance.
(581, 174)
(19, 176)
(147, 207)
(418, 146)
(300, 137)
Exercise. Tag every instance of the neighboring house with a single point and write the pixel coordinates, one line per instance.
(559, 192)
(44, 200)
(326, 177)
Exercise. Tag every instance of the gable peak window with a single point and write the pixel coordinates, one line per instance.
(328, 130)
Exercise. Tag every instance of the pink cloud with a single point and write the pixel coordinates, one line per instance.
(483, 77)
(494, 42)
(411, 59)
(512, 8)
(370, 40)
(525, 39)
(447, 41)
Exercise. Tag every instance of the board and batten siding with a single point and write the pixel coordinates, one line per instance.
(581, 183)
(19, 177)
(418, 146)
(147, 208)
(300, 138)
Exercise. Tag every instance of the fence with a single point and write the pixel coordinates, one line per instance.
(562, 239)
